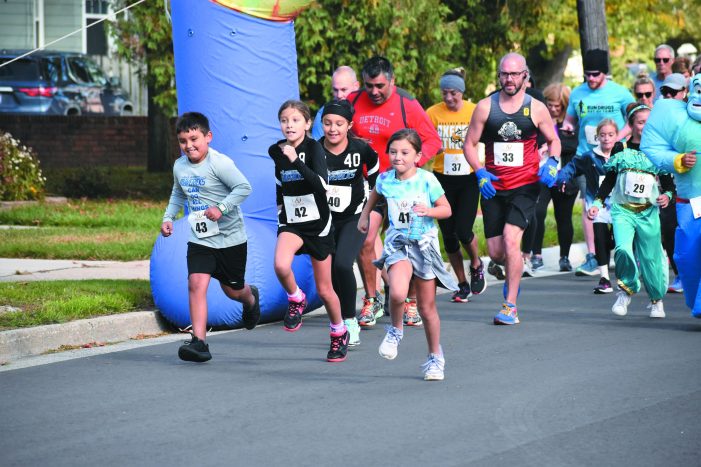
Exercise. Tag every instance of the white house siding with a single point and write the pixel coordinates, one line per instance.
(16, 24)
(60, 18)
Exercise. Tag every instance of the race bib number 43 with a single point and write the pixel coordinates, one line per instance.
(508, 154)
(201, 226)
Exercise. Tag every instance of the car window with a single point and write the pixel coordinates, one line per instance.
(20, 70)
(77, 70)
(50, 69)
(96, 73)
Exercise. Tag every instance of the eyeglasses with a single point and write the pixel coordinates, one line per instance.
(670, 92)
(640, 95)
(662, 60)
(512, 74)
(593, 74)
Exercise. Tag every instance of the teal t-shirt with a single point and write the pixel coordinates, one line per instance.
(591, 106)
(401, 195)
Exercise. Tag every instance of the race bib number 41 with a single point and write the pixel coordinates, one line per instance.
(201, 226)
(508, 154)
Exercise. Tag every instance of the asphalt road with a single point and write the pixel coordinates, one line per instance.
(571, 385)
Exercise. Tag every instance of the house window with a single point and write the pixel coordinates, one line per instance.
(96, 36)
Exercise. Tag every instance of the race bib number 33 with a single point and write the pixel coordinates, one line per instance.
(508, 154)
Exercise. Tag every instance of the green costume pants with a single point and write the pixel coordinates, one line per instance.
(639, 233)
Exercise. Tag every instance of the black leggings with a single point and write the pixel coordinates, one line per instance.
(563, 205)
(603, 242)
(463, 202)
(348, 242)
(668, 221)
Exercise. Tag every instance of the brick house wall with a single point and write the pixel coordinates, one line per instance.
(81, 141)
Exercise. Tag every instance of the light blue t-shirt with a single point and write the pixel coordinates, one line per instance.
(658, 86)
(591, 106)
(401, 195)
(317, 126)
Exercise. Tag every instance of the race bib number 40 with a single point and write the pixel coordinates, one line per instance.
(301, 209)
(639, 185)
(455, 164)
(338, 197)
(201, 226)
(508, 154)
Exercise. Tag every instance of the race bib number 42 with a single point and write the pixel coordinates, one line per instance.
(508, 154)
(301, 209)
(201, 226)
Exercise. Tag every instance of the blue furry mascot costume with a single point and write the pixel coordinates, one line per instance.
(672, 139)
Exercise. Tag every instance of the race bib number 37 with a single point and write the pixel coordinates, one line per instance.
(455, 164)
(201, 226)
(508, 154)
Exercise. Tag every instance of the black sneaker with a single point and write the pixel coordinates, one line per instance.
(496, 270)
(194, 350)
(462, 294)
(603, 287)
(293, 317)
(477, 281)
(339, 347)
(565, 265)
(251, 315)
(386, 305)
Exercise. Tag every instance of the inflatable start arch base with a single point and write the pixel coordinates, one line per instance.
(237, 70)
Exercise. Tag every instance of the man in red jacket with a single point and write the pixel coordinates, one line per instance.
(381, 109)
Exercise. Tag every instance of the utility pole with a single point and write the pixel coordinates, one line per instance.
(593, 33)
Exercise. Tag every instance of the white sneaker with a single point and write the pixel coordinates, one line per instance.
(657, 309)
(388, 347)
(433, 368)
(620, 308)
(527, 269)
(353, 331)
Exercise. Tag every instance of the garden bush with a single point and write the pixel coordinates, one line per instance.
(19, 171)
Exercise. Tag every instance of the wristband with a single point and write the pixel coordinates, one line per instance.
(222, 208)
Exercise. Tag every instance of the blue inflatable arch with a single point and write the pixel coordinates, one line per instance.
(237, 70)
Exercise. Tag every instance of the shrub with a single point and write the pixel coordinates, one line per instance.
(87, 182)
(19, 171)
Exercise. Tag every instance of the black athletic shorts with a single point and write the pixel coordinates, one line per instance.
(381, 207)
(227, 265)
(515, 207)
(317, 247)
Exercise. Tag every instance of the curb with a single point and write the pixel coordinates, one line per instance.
(19, 343)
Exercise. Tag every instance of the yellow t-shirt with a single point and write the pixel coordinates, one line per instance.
(452, 129)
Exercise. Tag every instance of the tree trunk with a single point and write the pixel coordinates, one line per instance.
(593, 33)
(160, 140)
(549, 71)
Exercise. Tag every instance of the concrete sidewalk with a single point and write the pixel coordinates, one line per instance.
(18, 344)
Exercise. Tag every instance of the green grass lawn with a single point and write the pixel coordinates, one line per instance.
(51, 302)
(122, 230)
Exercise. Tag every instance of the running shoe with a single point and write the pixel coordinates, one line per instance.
(507, 315)
(293, 317)
(527, 270)
(353, 331)
(676, 286)
(565, 265)
(590, 267)
(478, 283)
(603, 287)
(390, 343)
(620, 308)
(462, 294)
(433, 368)
(194, 350)
(536, 262)
(339, 347)
(251, 316)
(496, 270)
(367, 317)
(411, 313)
(381, 304)
(657, 309)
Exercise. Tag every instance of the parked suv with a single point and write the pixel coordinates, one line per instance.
(58, 83)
